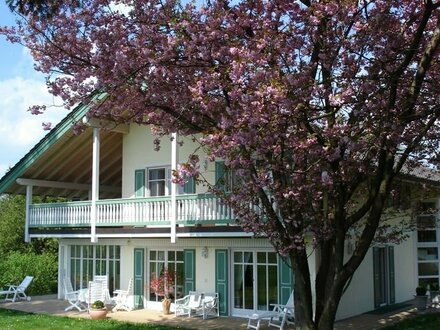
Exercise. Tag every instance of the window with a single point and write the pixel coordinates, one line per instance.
(172, 261)
(255, 278)
(159, 181)
(427, 246)
(225, 178)
(88, 260)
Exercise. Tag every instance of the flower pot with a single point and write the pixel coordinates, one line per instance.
(98, 314)
(166, 303)
(421, 302)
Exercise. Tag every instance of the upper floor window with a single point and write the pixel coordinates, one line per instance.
(159, 181)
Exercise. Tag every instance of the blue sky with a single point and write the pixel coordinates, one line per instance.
(20, 88)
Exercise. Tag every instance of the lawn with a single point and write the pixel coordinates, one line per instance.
(420, 322)
(16, 320)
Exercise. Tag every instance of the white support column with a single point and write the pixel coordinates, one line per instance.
(174, 161)
(27, 239)
(95, 183)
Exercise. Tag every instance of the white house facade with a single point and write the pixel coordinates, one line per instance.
(123, 217)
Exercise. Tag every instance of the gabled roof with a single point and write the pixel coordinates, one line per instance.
(65, 157)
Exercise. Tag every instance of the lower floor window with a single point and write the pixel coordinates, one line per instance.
(171, 262)
(87, 261)
(255, 278)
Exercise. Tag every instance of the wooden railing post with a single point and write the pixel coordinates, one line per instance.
(174, 161)
(95, 183)
(27, 238)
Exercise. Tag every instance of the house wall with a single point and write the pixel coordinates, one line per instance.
(138, 153)
(205, 267)
(359, 297)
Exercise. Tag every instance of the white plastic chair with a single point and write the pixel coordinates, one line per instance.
(286, 314)
(17, 291)
(278, 317)
(72, 296)
(188, 304)
(104, 280)
(120, 298)
(96, 291)
(209, 306)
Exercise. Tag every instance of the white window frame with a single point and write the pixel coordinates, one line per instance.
(167, 179)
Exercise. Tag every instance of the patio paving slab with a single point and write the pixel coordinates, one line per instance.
(51, 305)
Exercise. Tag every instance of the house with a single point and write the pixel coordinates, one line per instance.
(122, 216)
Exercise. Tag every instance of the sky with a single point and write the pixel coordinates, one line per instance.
(20, 87)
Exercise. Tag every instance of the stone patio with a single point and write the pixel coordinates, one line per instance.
(51, 305)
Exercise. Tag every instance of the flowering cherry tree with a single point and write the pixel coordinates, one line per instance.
(317, 106)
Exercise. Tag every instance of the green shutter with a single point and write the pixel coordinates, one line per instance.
(221, 279)
(376, 277)
(138, 285)
(220, 175)
(139, 183)
(285, 280)
(190, 270)
(391, 274)
(190, 186)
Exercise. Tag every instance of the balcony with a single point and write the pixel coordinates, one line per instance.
(134, 212)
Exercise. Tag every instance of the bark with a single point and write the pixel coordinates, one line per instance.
(303, 293)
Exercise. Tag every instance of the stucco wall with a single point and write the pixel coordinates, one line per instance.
(359, 297)
(138, 153)
(205, 267)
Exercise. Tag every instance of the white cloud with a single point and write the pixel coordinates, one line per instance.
(17, 125)
(3, 168)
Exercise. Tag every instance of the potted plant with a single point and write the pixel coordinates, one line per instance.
(163, 286)
(97, 310)
(421, 298)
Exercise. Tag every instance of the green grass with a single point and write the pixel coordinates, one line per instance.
(420, 322)
(16, 320)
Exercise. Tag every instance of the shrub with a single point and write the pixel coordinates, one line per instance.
(43, 267)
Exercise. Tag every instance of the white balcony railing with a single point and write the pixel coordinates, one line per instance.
(191, 209)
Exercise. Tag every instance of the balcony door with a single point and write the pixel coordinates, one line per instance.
(254, 280)
(383, 268)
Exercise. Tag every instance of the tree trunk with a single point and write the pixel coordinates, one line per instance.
(328, 313)
(303, 293)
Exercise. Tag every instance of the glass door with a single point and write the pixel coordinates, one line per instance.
(255, 281)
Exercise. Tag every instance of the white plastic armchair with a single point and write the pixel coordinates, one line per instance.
(278, 317)
(14, 292)
(96, 291)
(104, 280)
(209, 306)
(283, 314)
(188, 304)
(120, 298)
(72, 296)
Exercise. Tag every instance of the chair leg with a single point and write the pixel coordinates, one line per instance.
(256, 318)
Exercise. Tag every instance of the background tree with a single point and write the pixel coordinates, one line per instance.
(315, 103)
(38, 258)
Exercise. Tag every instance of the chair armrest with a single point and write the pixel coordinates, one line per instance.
(120, 292)
(282, 307)
(181, 301)
(11, 287)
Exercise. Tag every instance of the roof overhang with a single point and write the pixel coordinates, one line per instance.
(60, 164)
